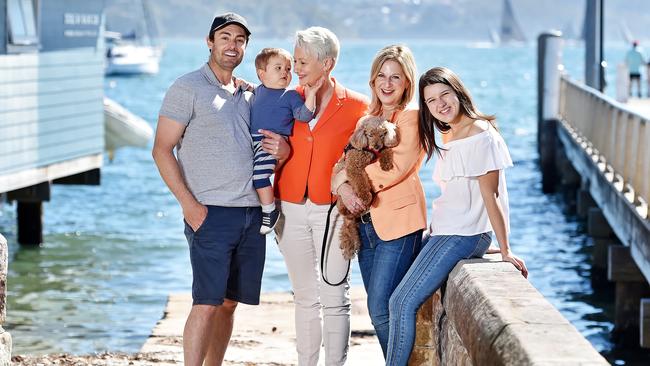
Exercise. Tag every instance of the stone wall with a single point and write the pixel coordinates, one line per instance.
(5, 337)
(488, 314)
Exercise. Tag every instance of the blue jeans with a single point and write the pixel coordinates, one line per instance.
(383, 264)
(430, 269)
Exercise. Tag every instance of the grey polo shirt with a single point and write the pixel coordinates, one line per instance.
(215, 152)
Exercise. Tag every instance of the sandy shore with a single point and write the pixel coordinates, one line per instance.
(263, 335)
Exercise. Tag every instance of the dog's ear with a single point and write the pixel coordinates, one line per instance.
(391, 138)
(359, 140)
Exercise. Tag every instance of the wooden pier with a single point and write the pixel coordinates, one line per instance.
(597, 151)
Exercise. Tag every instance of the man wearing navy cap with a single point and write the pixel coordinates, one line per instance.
(206, 118)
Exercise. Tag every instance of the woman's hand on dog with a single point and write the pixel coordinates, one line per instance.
(350, 200)
(275, 145)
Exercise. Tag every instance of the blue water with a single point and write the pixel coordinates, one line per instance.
(113, 253)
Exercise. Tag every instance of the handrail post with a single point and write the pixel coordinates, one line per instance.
(594, 60)
(549, 70)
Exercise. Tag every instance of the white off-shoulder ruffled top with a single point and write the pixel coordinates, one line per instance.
(460, 209)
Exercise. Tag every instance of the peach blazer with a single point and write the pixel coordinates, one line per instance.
(308, 169)
(399, 207)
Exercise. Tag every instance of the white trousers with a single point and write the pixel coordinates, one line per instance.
(300, 234)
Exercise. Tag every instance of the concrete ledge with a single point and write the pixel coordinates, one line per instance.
(496, 317)
(5, 348)
(5, 337)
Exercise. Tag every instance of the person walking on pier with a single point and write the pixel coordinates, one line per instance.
(206, 118)
(391, 228)
(473, 202)
(634, 60)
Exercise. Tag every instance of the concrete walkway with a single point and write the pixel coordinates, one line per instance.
(641, 106)
(263, 334)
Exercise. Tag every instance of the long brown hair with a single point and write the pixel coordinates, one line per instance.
(442, 75)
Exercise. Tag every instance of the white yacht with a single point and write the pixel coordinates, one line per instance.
(136, 53)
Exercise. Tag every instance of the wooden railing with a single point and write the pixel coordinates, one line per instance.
(616, 138)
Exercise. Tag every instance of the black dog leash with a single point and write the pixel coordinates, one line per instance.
(326, 246)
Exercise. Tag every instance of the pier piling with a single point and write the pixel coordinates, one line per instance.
(584, 202)
(645, 323)
(549, 68)
(631, 288)
(29, 212)
(599, 258)
(597, 225)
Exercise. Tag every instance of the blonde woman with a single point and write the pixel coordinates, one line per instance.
(391, 228)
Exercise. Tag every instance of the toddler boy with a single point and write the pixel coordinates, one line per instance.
(274, 108)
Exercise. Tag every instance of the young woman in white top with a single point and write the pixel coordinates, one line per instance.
(473, 201)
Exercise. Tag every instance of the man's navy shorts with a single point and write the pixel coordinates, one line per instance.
(227, 255)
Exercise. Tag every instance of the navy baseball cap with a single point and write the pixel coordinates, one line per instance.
(225, 19)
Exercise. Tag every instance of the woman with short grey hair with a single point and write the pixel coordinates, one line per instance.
(302, 185)
(319, 41)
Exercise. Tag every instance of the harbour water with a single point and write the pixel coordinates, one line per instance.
(113, 253)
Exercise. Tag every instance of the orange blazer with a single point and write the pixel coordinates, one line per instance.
(399, 207)
(308, 168)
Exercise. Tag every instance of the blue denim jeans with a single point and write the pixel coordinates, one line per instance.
(383, 264)
(431, 268)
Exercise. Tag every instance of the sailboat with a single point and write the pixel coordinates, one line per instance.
(510, 31)
(137, 52)
(626, 34)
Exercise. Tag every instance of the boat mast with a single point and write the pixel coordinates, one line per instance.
(510, 28)
(149, 23)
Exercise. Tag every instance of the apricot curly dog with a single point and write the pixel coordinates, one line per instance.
(372, 139)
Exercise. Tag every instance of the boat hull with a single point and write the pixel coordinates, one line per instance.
(123, 128)
(132, 59)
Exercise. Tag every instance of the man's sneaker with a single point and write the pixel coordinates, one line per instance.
(269, 220)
